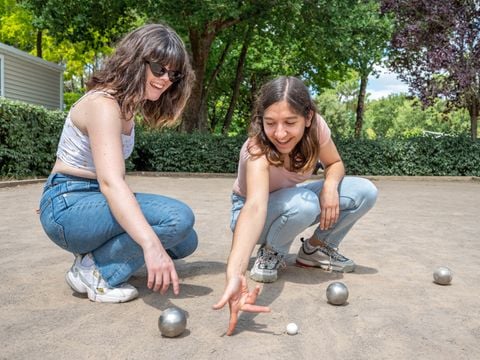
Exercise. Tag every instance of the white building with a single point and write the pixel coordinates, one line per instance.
(27, 78)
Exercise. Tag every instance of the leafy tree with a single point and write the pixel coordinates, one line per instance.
(400, 116)
(207, 23)
(436, 50)
(301, 44)
(370, 31)
(96, 23)
(16, 26)
(337, 113)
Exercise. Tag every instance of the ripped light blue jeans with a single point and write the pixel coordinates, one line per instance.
(76, 216)
(292, 210)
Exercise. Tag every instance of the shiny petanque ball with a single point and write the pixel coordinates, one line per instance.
(337, 293)
(172, 322)
(292, 329)
(442, 276)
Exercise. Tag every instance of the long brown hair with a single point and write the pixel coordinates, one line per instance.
(292, 90)
(124, 72)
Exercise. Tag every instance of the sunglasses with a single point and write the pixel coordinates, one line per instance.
(160, 70)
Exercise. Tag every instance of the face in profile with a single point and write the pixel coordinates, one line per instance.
(284, 127)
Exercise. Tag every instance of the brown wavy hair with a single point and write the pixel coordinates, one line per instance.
(124, 74)
(304, 156)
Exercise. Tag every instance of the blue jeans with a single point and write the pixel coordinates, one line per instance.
(76, 216)
(292, 210)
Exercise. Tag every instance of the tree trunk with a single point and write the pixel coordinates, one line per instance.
(238, 80)
(195, 115)
(361, 105)
(39, 44)
(473, 110)
(211, 80)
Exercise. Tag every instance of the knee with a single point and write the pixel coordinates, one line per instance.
(185, 221)
(368, 193)
(186, 247)
(306, 205)
(371, 194)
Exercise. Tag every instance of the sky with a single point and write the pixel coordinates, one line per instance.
(386, 84)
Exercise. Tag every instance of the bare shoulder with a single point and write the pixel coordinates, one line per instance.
(93, 107)
(257, 163)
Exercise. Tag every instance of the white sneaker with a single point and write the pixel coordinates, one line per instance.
(72, 276)
(324, 257)
(265, 268)
(88, 280)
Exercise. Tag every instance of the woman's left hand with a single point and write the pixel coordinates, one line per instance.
(329, 206)
(239, 299)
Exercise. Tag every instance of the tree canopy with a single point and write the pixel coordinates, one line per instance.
(236, 46)
(436, 50)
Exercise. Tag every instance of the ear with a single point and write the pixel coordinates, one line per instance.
(309, 118)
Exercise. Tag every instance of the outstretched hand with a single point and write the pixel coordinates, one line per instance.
(239, 299)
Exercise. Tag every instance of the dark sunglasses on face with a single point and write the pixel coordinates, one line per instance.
(160, 70)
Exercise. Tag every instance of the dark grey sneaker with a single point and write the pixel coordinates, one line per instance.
(324, 257)
(266, 265)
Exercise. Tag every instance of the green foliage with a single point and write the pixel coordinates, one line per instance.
(69, 98)
(399, 116)
(178, 152)
(29, 136)
(28, 139)
(419, 156)
(426, 155)
(338, 115)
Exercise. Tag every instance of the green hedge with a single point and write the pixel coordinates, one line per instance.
(29, 136)
(28, 139)
(420, 156)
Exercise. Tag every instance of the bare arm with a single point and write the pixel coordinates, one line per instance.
(251, 218)
(104, 127)
(334, 173)
(247, 231)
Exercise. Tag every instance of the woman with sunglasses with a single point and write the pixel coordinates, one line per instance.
(272, 203)
(87, 208)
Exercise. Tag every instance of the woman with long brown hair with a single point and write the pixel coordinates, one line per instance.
(272, 203)
(87, 208)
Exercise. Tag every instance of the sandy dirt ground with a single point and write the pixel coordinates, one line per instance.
(394, 311)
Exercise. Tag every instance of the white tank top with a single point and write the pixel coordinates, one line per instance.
(74, 146)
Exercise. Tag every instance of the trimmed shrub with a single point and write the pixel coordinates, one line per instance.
(28, 139)
(29, 136)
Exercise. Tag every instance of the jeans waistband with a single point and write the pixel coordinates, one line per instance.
(59, 178)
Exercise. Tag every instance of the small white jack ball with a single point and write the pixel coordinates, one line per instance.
(292, 329)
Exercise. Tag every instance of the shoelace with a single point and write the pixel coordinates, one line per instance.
(270, 258)
(334, 254)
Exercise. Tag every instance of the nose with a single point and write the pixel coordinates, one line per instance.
(165, 76)
(280, 132)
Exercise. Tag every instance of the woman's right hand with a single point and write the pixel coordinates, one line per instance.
(239, 298)
(161, 271)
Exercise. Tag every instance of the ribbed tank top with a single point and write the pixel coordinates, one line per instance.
(74, 146)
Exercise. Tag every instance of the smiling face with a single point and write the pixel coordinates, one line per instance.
(284, 127)
(155, 86)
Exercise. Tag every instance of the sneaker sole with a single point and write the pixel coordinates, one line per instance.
(107, 299)
(327, 267)
(75, 283)
(93, 296)
(263, 278)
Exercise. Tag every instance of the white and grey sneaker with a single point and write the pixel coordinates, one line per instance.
(87, 280)
(266, 265)
(72, 276)
(324, 257)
